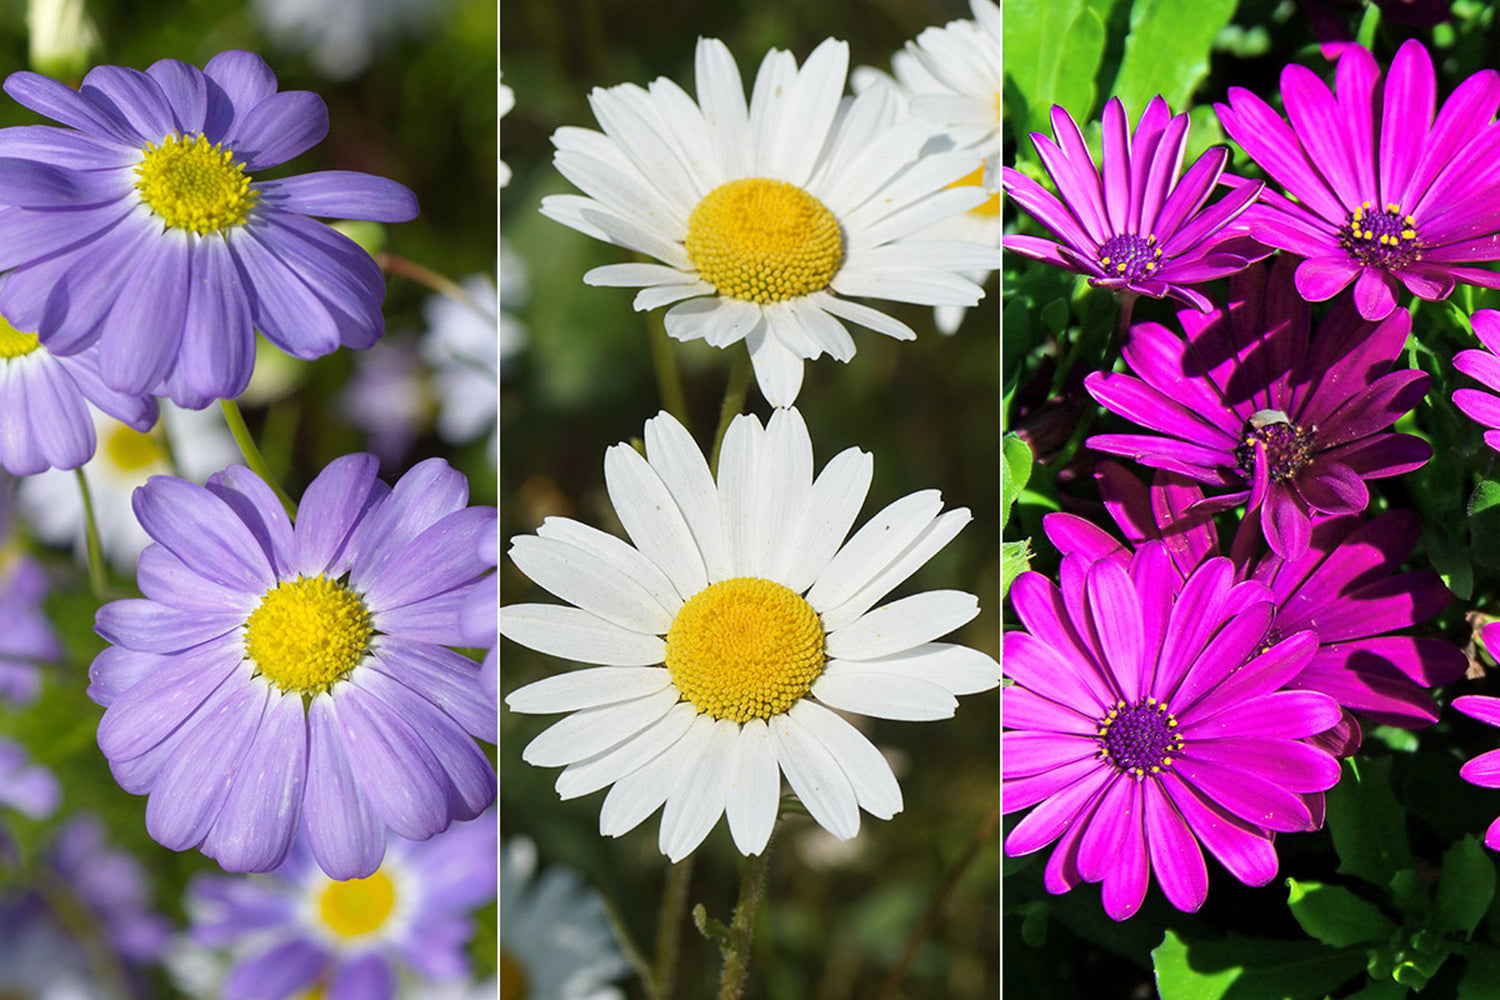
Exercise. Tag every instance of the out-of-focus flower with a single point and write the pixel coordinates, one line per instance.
(38, 959)
(342, 37)
(767, 218)
(387, 398)
(114, 887)
(276, 679)
(26, 634)
(730, 630)
(26, 787)
(1145, 720)
(507, 101)
(464, 349)
(1482, 405)
(1378, 192)
(555, 940)
(61, 36)
(1292, 422)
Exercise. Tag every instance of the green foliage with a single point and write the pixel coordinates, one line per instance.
(1465, 890)
(1052, 50)
(1167, 50)
(1336, 916)
(1241, 968)
(1367, 823)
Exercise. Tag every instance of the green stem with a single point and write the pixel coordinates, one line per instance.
(428, 278)
(736, 972)
(668, 378)
(674, 898)
(97, 579)
(734, 401)
(253, 457)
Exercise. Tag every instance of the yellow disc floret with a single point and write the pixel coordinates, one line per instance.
(990, 207)
(129, 450)
(307, 634)
(14, 343)
(358, 906)
(194, 185)
(764, 240)
(745, 649)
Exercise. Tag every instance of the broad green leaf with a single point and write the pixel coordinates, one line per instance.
(1336, 916)
(1465, 889)
(1015, 472)
(1367, 824)
(1167, 50)
(1484, 523)
(1450, 558)
(1481, 979)
(1241, 968)
(1015, 558)
(1052, 50)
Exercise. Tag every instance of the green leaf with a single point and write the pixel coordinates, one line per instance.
(1383, 989)
(1336, 916)
(1015, 473)
(1015, 559)
(1484, 523)
(1450, 558)
(1466, 888)
(1052, 51)
(1481, 979)
(1367, 824)
(1241, 968)
(1167, 50)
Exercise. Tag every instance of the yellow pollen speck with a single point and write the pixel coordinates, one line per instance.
(358, 906)
(307, 634)
(14, 343)
(764, 240)
(193, 185)
(745, 649)
(130, 450)
(1391, 206)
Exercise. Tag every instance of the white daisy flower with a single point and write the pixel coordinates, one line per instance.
(464, 348)
(124, 459)
(507, 100)
(730, 630)
(555, 941)
(953, 76)
(768, 217)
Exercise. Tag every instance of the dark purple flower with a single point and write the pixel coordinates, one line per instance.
(1248, 401)
(1145, 720)
(1376, 189)
(1484, 366)
(1132, 225)
(1345, 589)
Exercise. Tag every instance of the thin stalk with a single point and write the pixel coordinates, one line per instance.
(97, 578)
(736, 972)
(984, 835)
(428, 278)
(253, 457)
(674, 898)
(668, 378)
(84, 927)
(734, 401)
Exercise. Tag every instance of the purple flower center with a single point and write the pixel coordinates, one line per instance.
(1288, 446)
(1129, 256)
(1139, 738)
(1385, 239)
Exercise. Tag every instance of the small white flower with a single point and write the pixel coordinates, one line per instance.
(555, 941)
(768, 216)
(507, 101)
(464, 347)
(341, 36)
(730, 631)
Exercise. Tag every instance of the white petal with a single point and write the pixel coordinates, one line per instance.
(590, 688)
(866, 768)
(618, 553)
(593, 730)
(673, 454)
(730, 321)
(739, 480)
(958, 669)
(592, 583)
(832, 505)
(661, 295)
(874, 547)
(620, 111)
(585, 776)
(635, 275)
(785, 479)
(651, 519)
(865, 316)
(639, 794)
(590, 217)
(826, 332)
(721, 95)
(620, 192)
(816, 777)
(753, 797)
(845, 686)
(773, 80)
(697, 802)
(807, 111)
(902, 624)
(917, 285)
(576, 634)
(947, 255)
(690, 134)
(778, 371)
(875, 160)
(784, 326)
(933, 538)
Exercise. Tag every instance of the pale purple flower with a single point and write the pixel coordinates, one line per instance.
(26, 634)
(278, 678)
(480, 617)
(1378, 192)
(1250, 400)
(1132, 224)
(1483, 366)
(114, 887)
(1144, 721)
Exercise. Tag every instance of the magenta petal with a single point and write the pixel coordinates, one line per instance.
(1176, 857)
(1247, 795)
(1321, 278)
(1482, 707)
(1244, 849)
(1294, 766)
(1483, 770)
(1279, 715)
(1024, 754)
(1375, 293)
(1049, 819)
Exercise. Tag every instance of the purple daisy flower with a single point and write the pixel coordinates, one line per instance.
(1144, 722)
(44, 405)
(1291, 422)
(1132, 224)
(1345, 589)
(1483, 366)
(140, 227)
(1377, 191)
(296, 929)
(114, 887)
(278, 677)
(480, 617)
(26, 634)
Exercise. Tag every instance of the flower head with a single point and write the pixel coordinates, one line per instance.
(731, 630)
(1378, 192)
(1144, 720)
(1290, 421)
(953, 76)
(465, 347)
(142, 227)
(767, 217)
(278, 678)
(1132, 224)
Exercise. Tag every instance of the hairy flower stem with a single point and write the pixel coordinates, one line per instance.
(674, 898)
(91, 537)
(427, 278)
(736, 971)
(253, 457)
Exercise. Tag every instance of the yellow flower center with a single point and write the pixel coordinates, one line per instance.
(14, 343)
(307, 634)
(990, 207)
(359, 906)
(194, 185)
(514, 984)
(764, 240)
(744, 649)
(129, 450)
